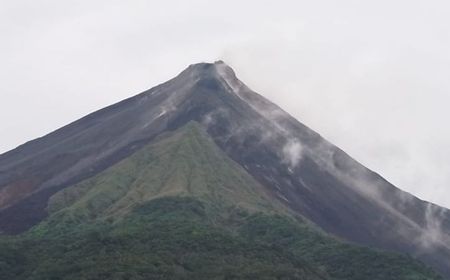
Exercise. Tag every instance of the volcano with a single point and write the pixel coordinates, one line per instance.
(202, 178)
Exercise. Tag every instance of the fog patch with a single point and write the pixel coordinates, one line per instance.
(433, 232)
(210, 118)
(292, 153)
(427, 237)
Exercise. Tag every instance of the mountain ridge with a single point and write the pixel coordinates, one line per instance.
(179, 208)
(181, 159)
(294, 164)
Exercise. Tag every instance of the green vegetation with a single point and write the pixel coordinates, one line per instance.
(340, 260)
(181, 209)
(178, 238)
(186, 163)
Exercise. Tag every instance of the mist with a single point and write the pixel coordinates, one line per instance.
(371, 77)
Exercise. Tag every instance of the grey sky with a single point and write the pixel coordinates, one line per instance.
(370, 76)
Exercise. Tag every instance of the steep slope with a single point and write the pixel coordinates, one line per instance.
(313, 177)
(31, 173)
(182, 163)
(295, 165)
(179, 208)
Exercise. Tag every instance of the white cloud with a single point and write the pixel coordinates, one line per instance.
(292, 153)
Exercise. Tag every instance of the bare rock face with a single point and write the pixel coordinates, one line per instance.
(296, 166)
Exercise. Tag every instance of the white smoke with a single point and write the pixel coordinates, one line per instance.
(292, 152)
(430, 236)
(433, 232)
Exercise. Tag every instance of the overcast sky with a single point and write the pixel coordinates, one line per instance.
(373, 77)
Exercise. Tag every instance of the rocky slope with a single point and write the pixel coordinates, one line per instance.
(179, 208)
(292, 167)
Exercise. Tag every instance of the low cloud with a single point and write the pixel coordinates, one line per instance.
(292, 153)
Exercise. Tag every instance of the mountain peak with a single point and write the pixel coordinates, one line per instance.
(292, 164)
(218, 70)
(209, 65)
